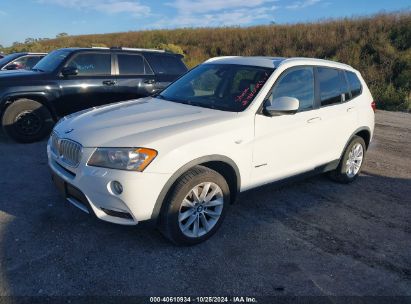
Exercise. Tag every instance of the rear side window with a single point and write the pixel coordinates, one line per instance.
(92, 64)
(166, 64)
(298, 83)
(333, 86)
(130, 64)
(32, 61)
(354, 83)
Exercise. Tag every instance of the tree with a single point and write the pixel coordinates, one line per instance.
(61, 35)
(29, 40)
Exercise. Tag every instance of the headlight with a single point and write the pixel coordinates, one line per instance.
(132, 159)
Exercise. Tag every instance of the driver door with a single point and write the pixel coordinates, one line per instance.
(288, 144)
(93, 85)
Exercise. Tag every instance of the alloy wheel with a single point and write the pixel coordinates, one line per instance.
(201, 209)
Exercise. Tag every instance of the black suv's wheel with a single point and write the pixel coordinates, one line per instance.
(351, 161)
(196, 206)
(26, 121)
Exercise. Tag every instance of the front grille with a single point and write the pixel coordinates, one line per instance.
(54, 143)
(67, 150)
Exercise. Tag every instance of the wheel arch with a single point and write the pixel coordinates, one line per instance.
(364, 133)
(220, 163)
(36, 96)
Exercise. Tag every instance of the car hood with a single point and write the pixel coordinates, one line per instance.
(19, 75)
(135, 123)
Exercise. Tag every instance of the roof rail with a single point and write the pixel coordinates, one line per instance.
(137, 49)
(100, 47)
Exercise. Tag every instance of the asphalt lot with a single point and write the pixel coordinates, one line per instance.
(314, 237)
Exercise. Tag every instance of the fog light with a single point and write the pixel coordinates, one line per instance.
(117, 187)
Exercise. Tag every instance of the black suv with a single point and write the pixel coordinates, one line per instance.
(71, 79)
(17, 61)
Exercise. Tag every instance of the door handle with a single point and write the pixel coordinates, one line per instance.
(350, 109)
(109, 82)
(315, 119)
(149, 81)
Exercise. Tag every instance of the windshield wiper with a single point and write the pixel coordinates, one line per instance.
(37, 70)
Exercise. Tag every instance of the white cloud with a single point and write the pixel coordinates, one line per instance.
(204, 6)
(105, 6)
(205, 13)
(302, 4)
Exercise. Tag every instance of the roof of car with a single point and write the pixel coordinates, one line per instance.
(27, 53)
(117, 49)
(275, 62)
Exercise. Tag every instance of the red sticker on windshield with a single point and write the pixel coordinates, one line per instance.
(247, 95)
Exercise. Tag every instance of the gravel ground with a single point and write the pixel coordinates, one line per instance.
(314, 237)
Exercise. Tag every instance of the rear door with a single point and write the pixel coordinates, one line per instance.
(337, 112)
(92, 86)
(134, 76)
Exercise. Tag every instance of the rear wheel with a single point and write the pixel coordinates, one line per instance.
(196, 206)
(351, 161)
(26, 121)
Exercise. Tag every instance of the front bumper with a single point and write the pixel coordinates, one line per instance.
(90, 189)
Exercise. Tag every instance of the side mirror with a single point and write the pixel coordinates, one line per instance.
(12, 66)
(282, 106)
(69, 71)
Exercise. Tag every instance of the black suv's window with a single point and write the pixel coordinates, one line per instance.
(32, 61)
(355, 84)
(50, 62)
(298, 83)
(166, 64)
(89, 64)
(331, 86)
(226, 87)
(132, 64)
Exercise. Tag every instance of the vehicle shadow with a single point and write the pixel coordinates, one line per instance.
(276, 240)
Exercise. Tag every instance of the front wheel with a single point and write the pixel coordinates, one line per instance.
(27, 120)
(196, 207)
(351, 161)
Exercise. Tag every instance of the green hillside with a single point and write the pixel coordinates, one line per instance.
(378, 46)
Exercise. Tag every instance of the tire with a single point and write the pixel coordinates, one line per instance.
(205, 217)
(27, 121)
(342, 174)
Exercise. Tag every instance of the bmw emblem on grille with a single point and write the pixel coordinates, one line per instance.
(68, 131)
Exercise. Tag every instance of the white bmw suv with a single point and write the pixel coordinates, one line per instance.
(231, 124)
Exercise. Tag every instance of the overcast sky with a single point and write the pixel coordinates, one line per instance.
(46, 18)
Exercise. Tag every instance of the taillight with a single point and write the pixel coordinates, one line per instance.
(374, 106)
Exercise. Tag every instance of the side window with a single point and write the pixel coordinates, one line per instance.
(298, 83)
(166, 64)
(345, 89)
(330, 86)
(354, 83)
(130, 64)
(32, 61)
(92, 64)
(20, 62)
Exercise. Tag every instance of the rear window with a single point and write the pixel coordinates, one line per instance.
(333, 86)
(166, 64)
(354, 83)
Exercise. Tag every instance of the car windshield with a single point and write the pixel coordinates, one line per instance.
(51, 61)
(8, 58)
(226, 87)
